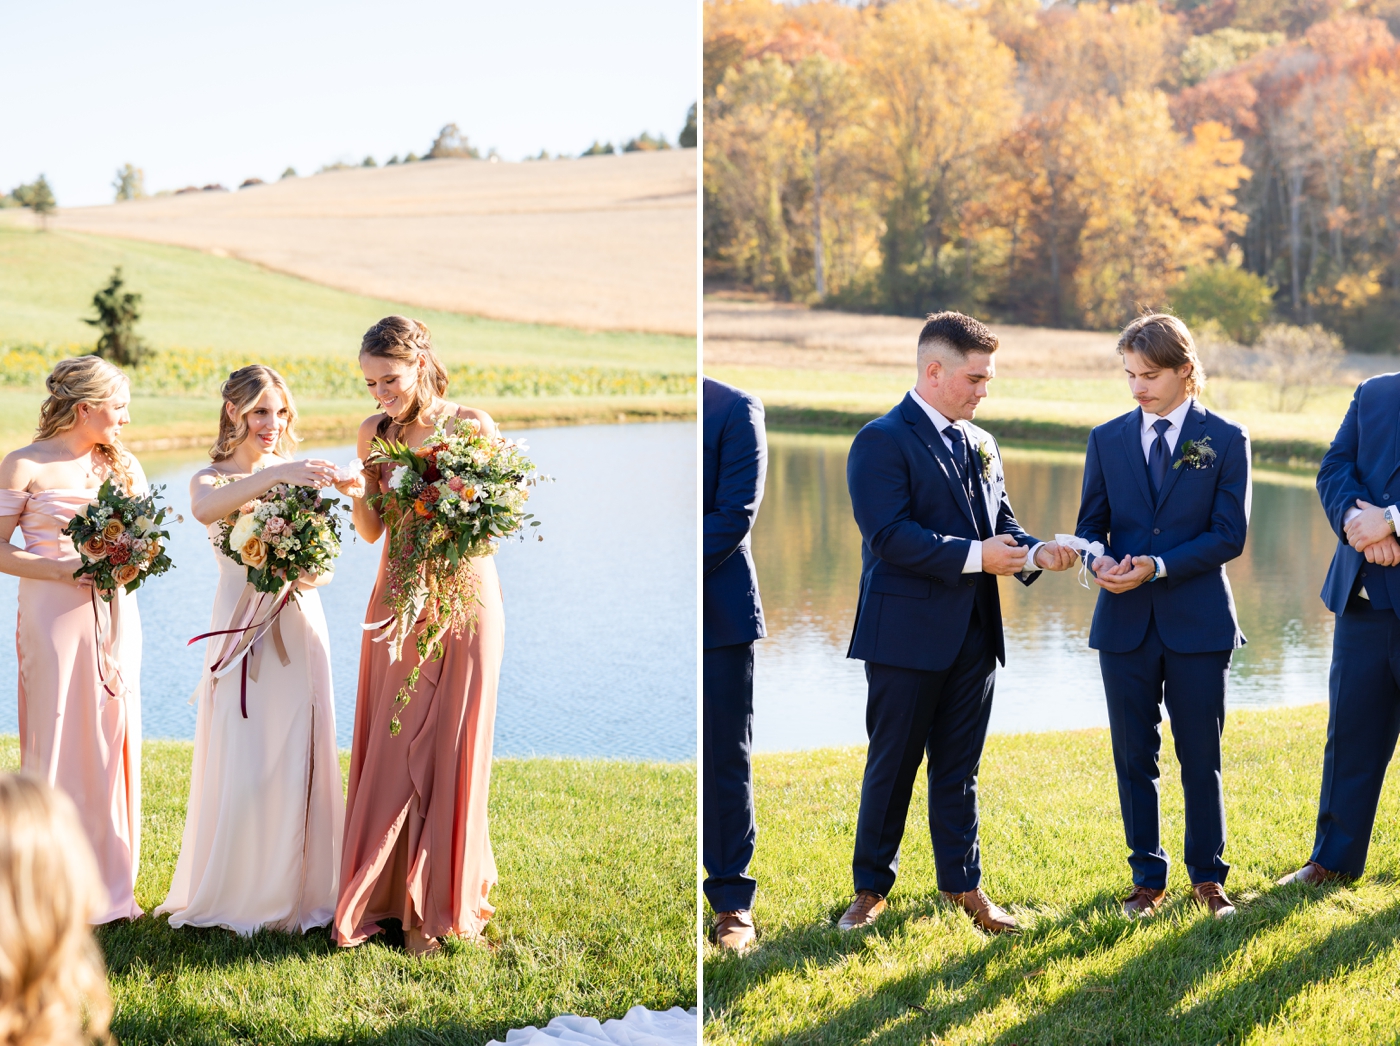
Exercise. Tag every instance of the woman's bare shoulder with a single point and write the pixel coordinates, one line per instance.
(18, 468)
(478, 415)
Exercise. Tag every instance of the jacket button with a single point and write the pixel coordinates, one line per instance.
(1156, 530)
(971, 581)
(1363, 573)
(1386, 494)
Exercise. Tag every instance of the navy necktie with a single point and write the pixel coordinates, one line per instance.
(959, 441)
(965, 473)
(1158, 456)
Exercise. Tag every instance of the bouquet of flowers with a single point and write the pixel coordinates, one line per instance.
(120, 539)
(287, 532)
(447, 502)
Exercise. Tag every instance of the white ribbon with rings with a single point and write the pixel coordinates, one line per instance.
(1088, 552)
(345, 473)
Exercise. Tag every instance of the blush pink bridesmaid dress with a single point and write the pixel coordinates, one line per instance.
(416, 844)
(73, 732)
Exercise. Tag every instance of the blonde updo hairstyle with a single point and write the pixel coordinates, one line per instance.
(53, 989)
(403, 340)
(71, 383)
(1166, 342)
(243, 389)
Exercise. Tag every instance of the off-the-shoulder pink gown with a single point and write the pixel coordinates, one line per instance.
(416, 843)
(73, 733)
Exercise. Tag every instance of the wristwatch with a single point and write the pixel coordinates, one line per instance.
(1390, 518)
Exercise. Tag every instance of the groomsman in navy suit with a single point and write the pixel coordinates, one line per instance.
(1167, 492)
(1359, 483)
(937, 528)
(736, 459)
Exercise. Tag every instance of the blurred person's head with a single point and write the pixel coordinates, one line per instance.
(955, 364)
(53, 988)
(1161, 362)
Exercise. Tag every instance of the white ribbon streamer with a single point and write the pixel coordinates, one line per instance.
(1088, 552)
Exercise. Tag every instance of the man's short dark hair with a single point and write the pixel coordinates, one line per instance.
(960, 333)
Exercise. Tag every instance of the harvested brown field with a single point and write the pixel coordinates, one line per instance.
(602, 243)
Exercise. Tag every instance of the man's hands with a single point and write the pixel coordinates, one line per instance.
(1120, 577)
(1001, 555)
(1384, 553)
(1367, 529)
(1052, 556)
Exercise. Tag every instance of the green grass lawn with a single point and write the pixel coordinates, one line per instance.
(194, 300)
(595, 913)
(1296, 965)
(1056, 409)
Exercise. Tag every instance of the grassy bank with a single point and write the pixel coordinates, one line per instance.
(594, 914)
(1296, 965)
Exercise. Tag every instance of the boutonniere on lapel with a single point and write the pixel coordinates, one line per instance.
(1196, 454)
(985, 458)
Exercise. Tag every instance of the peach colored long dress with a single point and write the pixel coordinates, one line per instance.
(261, 846)
(73, 732)
(416, 844)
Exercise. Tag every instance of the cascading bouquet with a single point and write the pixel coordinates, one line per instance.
(285, 533)
(120, 539)
(447, 502)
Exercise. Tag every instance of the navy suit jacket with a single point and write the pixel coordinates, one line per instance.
(736, 460)
(1363, 462)
(1196, 525)
(916, 525)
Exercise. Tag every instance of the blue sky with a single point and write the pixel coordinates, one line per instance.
(200, 93)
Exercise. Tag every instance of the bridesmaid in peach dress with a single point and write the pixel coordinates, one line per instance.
(73, 733)
(416, 845)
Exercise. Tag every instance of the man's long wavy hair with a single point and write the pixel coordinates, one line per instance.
(75, 381)
(243, 389)
(53, 988)
(1164, 341)
(403, 340)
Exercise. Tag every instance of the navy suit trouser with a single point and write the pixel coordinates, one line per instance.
(1192, 686)
(730, 827)
(1362, 725)
(908, 714)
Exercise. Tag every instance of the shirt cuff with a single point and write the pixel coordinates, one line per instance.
(1350, 514)
(1161, 567)
(1032, 567)
(974, 558)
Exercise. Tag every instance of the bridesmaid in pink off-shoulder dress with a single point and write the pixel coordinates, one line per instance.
(73, 732)
(416, 846)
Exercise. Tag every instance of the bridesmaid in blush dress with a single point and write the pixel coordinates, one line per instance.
(261, 846)
(416, 844)
(74, 733)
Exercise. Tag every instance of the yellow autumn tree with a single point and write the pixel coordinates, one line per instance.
(1154, 202)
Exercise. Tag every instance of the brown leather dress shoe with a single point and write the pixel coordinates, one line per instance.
(1212, 895)
(864, 910)
(985, 914)
(1313, 874)
(733, 930)
(1143, 901)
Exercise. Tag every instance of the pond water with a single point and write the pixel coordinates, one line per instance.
(807, 694)
(600, 616)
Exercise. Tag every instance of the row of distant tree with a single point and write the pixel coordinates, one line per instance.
(1062, 164)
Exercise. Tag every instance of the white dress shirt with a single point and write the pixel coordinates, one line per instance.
(1149, 437)
(973, 565)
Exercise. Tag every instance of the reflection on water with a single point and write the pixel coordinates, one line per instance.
(600, 622)
(807, 694)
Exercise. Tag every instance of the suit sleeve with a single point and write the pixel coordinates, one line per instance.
(1338, 484)
(1094, 510)
(877, 475)
(1229, 520)
(1007, 523)
(743, 465)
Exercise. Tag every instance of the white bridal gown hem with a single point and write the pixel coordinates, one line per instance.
(641, 1027)
(261, 845)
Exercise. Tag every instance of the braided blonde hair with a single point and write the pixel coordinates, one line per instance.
(53, 990)
(243, 389)
(403, 340)
(74, 381)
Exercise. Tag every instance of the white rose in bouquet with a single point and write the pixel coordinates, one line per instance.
(246, 527)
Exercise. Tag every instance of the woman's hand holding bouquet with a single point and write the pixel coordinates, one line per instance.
(120, 539)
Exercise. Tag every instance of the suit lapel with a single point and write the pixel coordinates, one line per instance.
(1393, 417)
(989, 503)
(1193, 426)
(927, 434)
(1132, 447)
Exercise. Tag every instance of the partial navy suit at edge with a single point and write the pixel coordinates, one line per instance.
(1364, 695)
(1169, 640)
(930, 636)
(735, 462)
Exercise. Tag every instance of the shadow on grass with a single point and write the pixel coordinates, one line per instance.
(192, 1027)
(1142, 1000)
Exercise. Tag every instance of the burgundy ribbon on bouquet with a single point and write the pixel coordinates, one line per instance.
(244, 648)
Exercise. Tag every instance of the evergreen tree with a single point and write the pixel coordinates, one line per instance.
(117, 314)
(690, 133)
